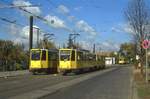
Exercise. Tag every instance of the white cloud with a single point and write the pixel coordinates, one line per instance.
(55, 22)
(109, 46)
(85, 27)
(22, 37)
(34, 10)
(11, 29)
(115, 29)
(124, 28)
(77, 8)
(71, 18)
(106, 44)
(14, 30)
(63, 9)
(86, 45)
(25, 33)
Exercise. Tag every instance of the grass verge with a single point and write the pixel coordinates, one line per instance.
(143, 88)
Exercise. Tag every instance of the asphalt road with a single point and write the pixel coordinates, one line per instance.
(13, 86)
(18, 85)
(115, 84)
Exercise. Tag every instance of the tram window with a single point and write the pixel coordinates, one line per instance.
(65, 55)
(43, 55)
(79, 56)
(73, 56)
(35, 55)
(91, 57)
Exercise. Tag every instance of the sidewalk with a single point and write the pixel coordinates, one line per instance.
(13, 73)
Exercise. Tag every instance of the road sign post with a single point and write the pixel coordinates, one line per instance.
(146, 67)
(146, 45)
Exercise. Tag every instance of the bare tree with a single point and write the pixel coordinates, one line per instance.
(137, 16)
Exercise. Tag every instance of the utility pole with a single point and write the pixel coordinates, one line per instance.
(71, 40)
(31, 33)
(38, 34)
(46, 37)
(70, 43)
(145, 45)
(146, 71)
(94, 48)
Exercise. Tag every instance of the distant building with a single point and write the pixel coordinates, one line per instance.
(109, 60)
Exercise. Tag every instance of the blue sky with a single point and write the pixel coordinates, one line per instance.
(98, 21)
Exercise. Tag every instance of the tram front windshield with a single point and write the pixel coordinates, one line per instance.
(35, 55)
(64, 55)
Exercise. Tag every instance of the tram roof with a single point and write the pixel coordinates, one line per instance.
(51, 49)
(81, 50)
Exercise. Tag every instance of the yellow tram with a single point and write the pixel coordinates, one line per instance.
(43, 60)
(122, 60)
(71, 60)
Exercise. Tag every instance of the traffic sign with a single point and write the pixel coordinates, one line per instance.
(145, 44)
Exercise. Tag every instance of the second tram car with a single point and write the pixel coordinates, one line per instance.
(71, 60)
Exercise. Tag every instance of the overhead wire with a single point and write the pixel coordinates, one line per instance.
(37, 16)
(10, 21)
(14, 6)
(22, 9)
